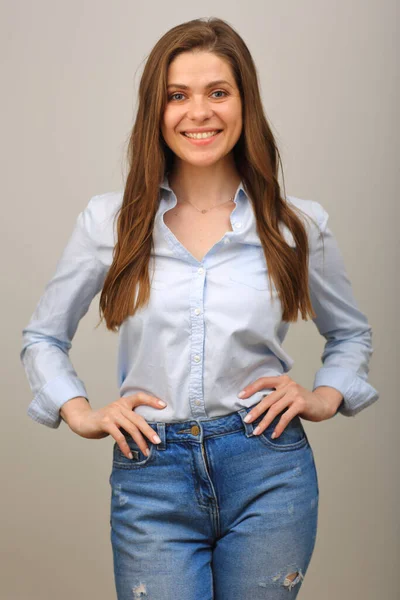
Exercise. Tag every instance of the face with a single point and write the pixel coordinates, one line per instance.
(195, 104)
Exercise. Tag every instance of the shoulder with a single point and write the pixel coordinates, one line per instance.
(102, 207)
(313, 216)
(310, 208)
(99, 216)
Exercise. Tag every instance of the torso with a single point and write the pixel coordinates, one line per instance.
(196, 231)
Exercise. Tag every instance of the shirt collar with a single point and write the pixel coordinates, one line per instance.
(165, 185)
(244, 221)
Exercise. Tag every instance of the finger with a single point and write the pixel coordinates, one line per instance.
(264, 404)
(264, 383)
(274, 410)
(284, 421)
(121, 440)
(138, 423)
(135, 433)
(143, 398)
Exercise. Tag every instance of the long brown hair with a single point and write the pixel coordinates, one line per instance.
(127, 284)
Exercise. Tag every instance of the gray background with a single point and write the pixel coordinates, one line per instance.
(330, 86)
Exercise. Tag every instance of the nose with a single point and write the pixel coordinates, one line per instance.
(199, 109)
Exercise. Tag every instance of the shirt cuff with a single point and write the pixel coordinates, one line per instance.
(45, 407)
(357, 393)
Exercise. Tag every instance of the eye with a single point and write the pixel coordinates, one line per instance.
(220, 92)
(171, 97)
(176, 94)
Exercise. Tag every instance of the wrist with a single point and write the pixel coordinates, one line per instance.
(330, 396)
(74, 408)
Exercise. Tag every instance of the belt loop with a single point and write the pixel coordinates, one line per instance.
(161, 435)
(248, 427)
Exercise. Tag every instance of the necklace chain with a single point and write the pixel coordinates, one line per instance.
(205, 210)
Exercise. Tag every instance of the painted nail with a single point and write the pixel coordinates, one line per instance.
(248, 418)
(241, 394)
(257, 430)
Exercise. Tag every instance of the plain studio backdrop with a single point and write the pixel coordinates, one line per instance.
(330, 86)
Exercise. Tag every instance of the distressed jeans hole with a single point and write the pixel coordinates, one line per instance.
(292, 579)
(139, 592)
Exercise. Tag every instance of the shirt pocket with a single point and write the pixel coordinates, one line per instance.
(257, 279)
(162, 279)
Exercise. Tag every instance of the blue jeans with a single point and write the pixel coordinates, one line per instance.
(214, 512)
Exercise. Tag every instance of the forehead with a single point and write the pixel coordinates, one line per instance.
(198, 68)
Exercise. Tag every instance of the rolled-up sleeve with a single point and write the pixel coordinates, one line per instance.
(78, 277)
(348, 347)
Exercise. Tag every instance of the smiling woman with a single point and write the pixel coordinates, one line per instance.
(206, 110)
(202, 263)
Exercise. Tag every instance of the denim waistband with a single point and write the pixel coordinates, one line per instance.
(200, 429)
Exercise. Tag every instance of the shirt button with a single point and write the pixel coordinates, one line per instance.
(237, 225)
(197, 358)
(200, 270)
(198, 402)
(226, 240)
(197, 311)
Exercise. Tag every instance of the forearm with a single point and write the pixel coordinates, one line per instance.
(330, 395)
(74, 407)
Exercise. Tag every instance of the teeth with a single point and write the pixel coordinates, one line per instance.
(200, 136)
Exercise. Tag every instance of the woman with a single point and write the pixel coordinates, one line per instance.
(223, 503)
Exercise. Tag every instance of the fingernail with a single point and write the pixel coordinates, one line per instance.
(156, 439)
(241, 394)
(247, 418)
(161, 403)
(256, 430)
(130, 455)
(273, 436)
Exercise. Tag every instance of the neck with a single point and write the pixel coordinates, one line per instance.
(204, 188)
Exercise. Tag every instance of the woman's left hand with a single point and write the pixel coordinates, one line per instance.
(308, 405)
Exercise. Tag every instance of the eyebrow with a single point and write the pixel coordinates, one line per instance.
(209, 85)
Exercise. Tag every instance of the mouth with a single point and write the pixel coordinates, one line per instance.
(202, 139)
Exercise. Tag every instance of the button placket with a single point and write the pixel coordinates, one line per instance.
(197, 343)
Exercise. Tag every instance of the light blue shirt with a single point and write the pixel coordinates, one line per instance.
(210, 328)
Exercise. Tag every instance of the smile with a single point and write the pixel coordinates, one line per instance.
(202, 139)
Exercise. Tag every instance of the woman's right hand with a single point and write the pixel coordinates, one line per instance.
(99, 423)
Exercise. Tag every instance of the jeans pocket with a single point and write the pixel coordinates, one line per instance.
(291, 438)
(139, 460)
